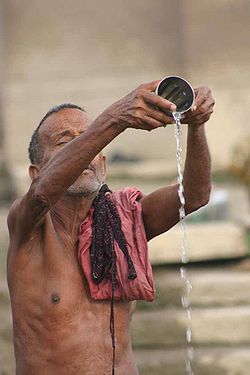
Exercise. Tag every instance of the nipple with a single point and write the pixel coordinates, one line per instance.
(55, 298)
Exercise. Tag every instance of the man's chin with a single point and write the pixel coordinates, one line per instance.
(83, 191)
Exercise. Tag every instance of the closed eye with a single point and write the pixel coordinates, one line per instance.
(63, 141)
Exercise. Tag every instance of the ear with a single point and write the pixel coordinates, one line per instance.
(33, 171)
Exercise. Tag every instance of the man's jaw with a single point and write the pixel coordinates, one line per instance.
(87, 189)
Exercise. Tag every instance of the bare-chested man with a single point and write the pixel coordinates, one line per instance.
(58, 327)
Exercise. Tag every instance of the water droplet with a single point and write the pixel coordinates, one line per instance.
(190, 353)
(189, 335)
(184, 258)
(183, 301)
(183, 272)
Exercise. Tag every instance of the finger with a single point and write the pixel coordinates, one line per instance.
(198, 114)
(152, 123)
(204, 106)
(199, 100)
(211, 103)
(205, 109)
(160, 116)
(158, 101)
(201, 97)
(151, 86)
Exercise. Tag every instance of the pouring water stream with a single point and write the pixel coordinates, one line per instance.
(185, 299)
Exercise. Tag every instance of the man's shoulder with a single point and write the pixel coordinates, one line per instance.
(13, 213)
(15, 204)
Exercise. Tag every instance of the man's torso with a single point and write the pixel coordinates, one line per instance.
(57, 327)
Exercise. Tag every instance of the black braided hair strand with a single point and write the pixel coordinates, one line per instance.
(107, 229)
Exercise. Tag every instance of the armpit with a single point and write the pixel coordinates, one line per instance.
(26, 214)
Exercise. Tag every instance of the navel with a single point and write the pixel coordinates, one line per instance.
(55, 298)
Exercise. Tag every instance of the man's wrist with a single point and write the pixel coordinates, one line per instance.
(196, 128)
(109, 122)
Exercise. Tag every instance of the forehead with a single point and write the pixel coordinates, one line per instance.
(72, 120)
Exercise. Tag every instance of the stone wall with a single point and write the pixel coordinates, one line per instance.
(92, 53)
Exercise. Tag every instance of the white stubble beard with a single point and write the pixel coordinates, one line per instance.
(86, 186)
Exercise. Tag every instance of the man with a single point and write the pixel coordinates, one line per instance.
(58, 327)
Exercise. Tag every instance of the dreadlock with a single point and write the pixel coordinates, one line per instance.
(107, 229)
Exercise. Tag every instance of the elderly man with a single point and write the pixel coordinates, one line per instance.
(77, 256)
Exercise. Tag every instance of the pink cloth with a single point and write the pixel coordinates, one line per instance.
(129, 209)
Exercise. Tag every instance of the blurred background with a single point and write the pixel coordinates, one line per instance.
(92, 53)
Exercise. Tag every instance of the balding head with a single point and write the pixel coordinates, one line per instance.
(36, 149)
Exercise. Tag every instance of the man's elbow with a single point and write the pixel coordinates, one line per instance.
(199, 201)
(204, 201)
(39, 196)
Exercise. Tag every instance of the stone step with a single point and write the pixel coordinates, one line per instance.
(6, 323)
(213, 326)
(7, 363)
(7, 360)
(205, 241)
(217, 286)
(4, 294)
(207, 361)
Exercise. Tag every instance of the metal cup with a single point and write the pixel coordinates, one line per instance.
(178, 91)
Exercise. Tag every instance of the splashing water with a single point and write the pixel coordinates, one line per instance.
(185, 299)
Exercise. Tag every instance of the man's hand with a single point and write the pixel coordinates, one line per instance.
(141, 109)
(202, 109)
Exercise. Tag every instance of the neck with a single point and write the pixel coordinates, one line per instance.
(72, 211)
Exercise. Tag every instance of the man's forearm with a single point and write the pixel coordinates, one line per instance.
(197, 174)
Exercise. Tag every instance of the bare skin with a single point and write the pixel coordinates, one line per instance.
(58, 328)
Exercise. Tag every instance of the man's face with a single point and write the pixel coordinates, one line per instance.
(59, 129)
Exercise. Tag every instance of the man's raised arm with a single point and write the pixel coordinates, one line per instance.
(141, 109)
(161, 208)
